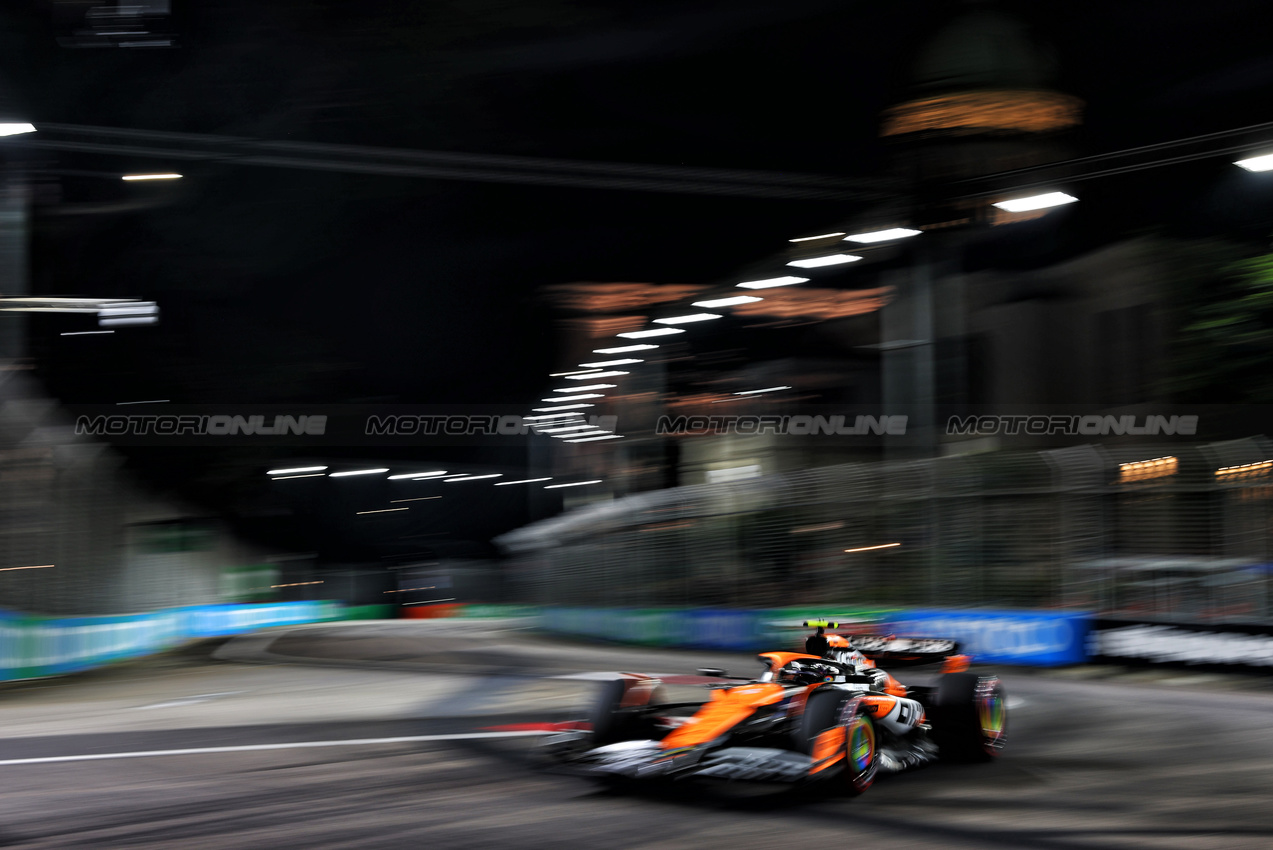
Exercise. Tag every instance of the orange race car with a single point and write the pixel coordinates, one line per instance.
(828, 713)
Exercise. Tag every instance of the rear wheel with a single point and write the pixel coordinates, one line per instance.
(970, 717)
(823, 712)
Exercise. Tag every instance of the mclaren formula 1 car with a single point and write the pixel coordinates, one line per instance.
(826, 714)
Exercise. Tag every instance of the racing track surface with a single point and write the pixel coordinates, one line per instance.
(1089, 764)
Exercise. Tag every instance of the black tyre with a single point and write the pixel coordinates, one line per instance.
(824, 711)
(611, 722)
(969, 717)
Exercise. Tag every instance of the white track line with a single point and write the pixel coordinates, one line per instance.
(247, 748)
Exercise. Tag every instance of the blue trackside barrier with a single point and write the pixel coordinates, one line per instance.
(1027, 638)
(31, 647)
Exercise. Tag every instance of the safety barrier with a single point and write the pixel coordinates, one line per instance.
(32, 647)
(1027, 638)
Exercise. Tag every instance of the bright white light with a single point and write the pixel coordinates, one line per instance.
(728, 302)
(687, 319)
(566, 374)
(881, 235)
(1036, 202)
(652, 332)
(579, 397)
(621, 362)
(829, 260)
(550, 415)
(769, 283)
(357, 472)
(819, 236)
(765, 390)
(591, 375)
(15, 129)
(624, 349)
(586, 389)
(558, 429)
(1257, 163)
(561, 406)
(306, 475)
(433, 474)
(164, 176)
(522, 481)
(84, 333)
(595, 439)
(296, 469)
(474, 477)
(572, 484)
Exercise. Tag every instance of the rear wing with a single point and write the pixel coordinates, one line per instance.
(896, 651)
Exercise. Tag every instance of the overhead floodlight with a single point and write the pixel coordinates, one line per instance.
(579, 397)
(591, 375)
(687, 319)
(417, 475)
(550, 415)
(765, 390)
(652, 332)
(522, 481)
(881, 235)
(557, 429)
(595, 439)
(623, 349)
(474, 477)
(728, 302)
(295, 470)
(771, 282)
(1036, 202)
(620, 362)
(14, 129)
(1257, 163)
(571, 484)
(357, 472)
(567, 374)
(822, 262)
(586, 389)
(819, 236)
(168, 175)
(562, 407)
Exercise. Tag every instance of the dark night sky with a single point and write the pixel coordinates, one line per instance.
(282, 286)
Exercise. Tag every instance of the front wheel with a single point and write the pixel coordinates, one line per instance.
(970, 717)
(825, 731)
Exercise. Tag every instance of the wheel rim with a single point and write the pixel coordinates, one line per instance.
(993, 718)
(861, 746)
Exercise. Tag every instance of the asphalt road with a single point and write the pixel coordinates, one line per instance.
(1090, 763)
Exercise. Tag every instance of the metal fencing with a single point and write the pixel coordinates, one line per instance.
(1175, 533)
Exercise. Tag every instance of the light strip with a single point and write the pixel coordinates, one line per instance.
(1257, 163)
(474, 477)
(382, 511)
(819, 236)
(296, 469)
(358, 472)
(588, 388)
(873, 548)
(1036, 202)
(765, 390)
(652, 332)
(416, 499)
(611, 374)
(579, 397)
(594, 439)
(572, 484)
(728, 302)
(580, 406)
(415, 475)
(165, 176)
(564, 374)
(624, 349)
(522, 481)
(829, 260)
(881, 235)
(620, 362)
(309, 475)
(685, 320)
(37, 567)
(771, 282)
